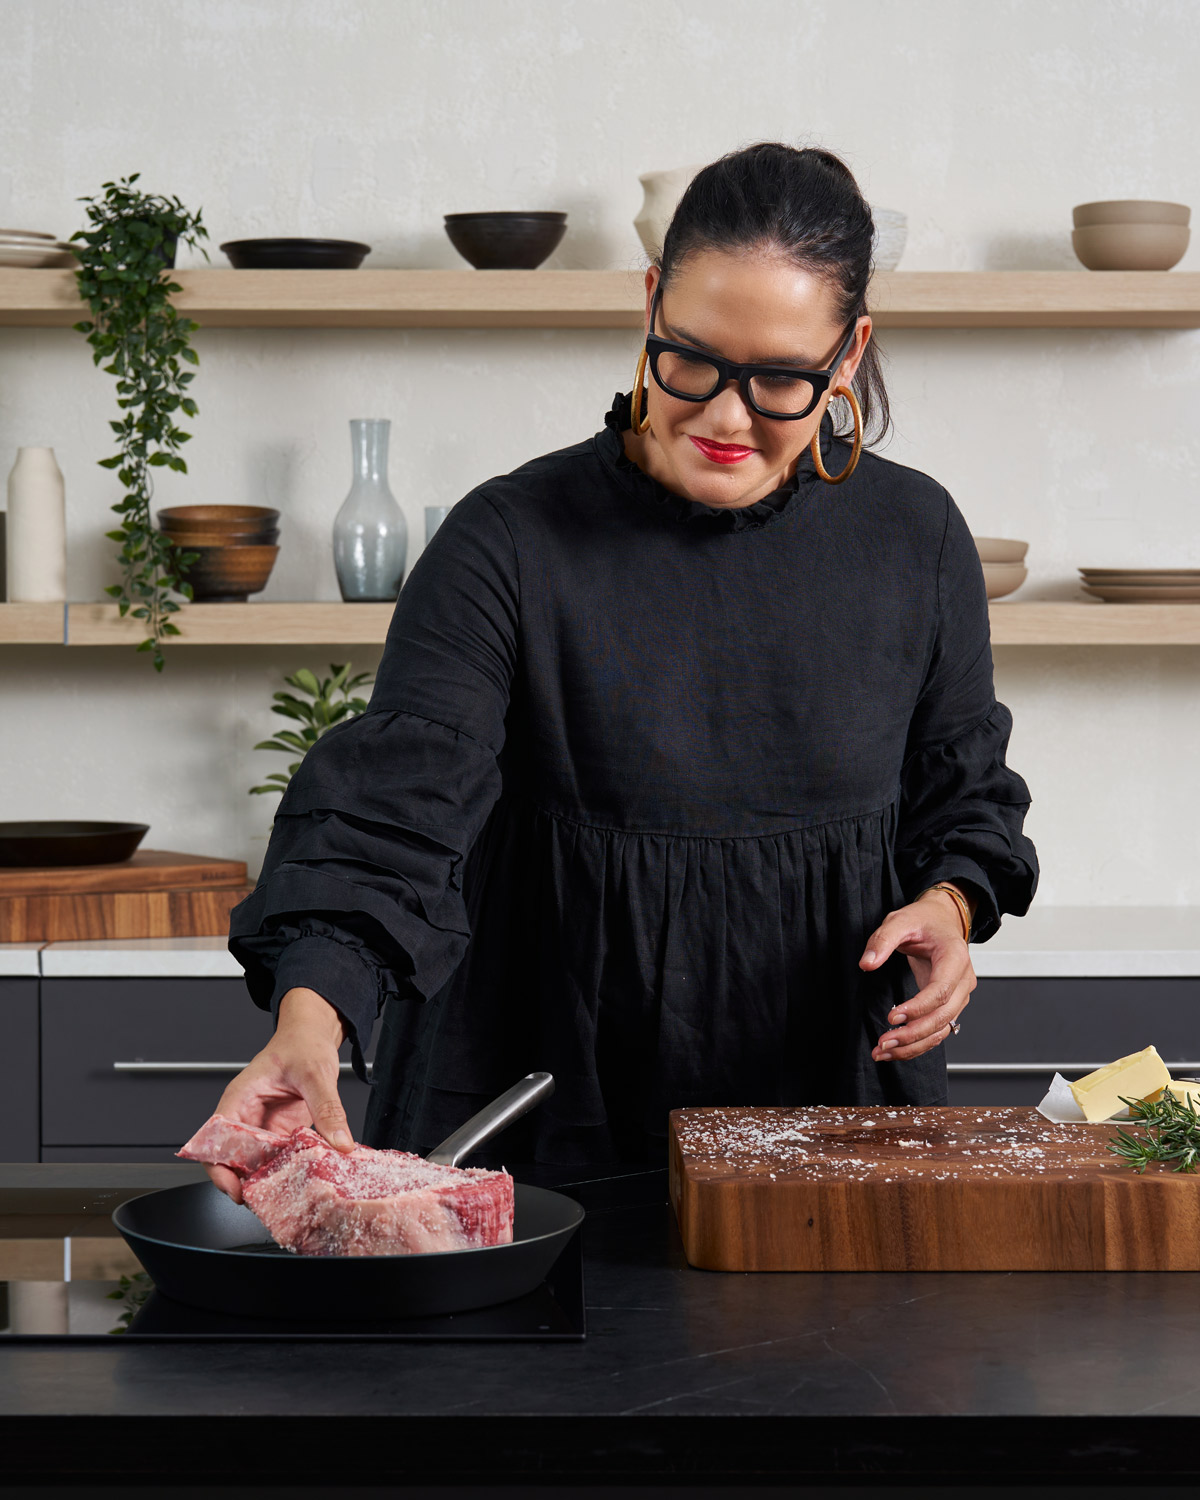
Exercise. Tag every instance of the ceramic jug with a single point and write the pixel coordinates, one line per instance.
(663, 191)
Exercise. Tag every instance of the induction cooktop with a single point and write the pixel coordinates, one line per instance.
(66, 1276)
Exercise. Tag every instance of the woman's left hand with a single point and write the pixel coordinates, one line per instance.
(929, 932)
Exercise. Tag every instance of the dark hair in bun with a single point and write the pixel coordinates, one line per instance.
(800, 202)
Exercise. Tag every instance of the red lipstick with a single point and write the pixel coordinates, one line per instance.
(721, 453)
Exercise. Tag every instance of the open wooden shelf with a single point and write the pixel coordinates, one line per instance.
(307, 623)
(32, 624)
(1093, 623)
(290, 623)
(613, 299)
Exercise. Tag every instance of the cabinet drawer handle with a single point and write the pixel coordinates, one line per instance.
(197, 1067)
(1043, 1067)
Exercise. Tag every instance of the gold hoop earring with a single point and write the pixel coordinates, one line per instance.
(815, 446)
(637, 397)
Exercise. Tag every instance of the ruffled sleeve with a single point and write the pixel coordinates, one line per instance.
(360, 893)
(962, 810)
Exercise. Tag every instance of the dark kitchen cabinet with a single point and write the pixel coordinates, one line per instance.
(19, 1067)
(1017, 1032)
(130, 1068)
(62, 1098)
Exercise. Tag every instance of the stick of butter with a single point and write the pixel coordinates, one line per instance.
(1186, 1090)
(1099, 1094)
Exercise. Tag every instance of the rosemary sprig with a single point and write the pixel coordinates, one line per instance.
(1172, 1134)
(132, 1291)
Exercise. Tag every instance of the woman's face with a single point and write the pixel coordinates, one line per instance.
(751, 309)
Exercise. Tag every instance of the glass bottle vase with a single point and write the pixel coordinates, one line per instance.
(370, 534)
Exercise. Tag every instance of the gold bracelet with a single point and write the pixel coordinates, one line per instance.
(964, 911)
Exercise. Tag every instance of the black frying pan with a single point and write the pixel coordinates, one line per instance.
(200, 1247)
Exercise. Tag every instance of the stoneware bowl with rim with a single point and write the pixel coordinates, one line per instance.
(189, 540)
(222, 518)
(1003, 578)
(999, 549)
(1130, 211)
(229, 574)
(506, 240)
(290, 253)
(1131, 247)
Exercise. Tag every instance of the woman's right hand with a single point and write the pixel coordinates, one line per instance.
(292, 1081)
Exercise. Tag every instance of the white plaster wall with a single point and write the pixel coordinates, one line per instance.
(985, 120)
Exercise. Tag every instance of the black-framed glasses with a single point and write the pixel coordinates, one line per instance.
(778, 391)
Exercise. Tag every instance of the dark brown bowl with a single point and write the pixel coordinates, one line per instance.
(188, 540)
(229, 574)
(506, 241)
(291, 254)
(68, 842)
(217, 517)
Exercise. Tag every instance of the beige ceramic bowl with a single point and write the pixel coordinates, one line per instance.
(1131, 247)
(1131, 211)
(1003, 578)
(999, 549)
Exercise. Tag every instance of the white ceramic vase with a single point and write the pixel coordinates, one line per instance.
(37, 529)
(663, 191)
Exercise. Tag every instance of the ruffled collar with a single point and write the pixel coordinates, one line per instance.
(611, 448)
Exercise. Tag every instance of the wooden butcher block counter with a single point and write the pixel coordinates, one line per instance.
(881, 1189)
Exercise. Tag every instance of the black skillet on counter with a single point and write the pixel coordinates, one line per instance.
(201, 1248)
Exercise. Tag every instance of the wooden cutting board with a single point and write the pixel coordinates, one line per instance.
(879, 1189)
(154, 893)
(144, 870)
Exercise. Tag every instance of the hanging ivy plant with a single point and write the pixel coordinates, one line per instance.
(124, 258)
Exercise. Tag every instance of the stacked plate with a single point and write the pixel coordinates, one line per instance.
(33, 247)
(1142, 585)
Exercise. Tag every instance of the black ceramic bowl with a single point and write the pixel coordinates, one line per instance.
(515, 241)
(59, 842)
(295, 254)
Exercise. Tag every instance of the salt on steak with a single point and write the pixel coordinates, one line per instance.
(319, 1201)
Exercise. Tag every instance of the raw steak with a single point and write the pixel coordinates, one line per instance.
(319, 1201)
(222, 1142)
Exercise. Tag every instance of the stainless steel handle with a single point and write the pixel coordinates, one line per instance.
(197, 1067)
(493, 1118)
(1044, 1067)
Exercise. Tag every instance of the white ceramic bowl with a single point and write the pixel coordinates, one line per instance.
(891, 234)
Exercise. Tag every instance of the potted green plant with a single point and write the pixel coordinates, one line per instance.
(324, 711)
(124, 256)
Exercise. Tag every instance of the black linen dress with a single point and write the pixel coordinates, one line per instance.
(637, 780)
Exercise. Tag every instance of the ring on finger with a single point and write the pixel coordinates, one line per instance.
(955, 1026)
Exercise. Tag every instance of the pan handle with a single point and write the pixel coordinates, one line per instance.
(493, 1118)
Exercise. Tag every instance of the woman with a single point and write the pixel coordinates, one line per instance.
(683, 775)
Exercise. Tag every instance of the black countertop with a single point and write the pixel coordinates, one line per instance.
(686, 1377)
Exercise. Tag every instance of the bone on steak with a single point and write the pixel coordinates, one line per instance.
(222, 1142)
(319, 1201)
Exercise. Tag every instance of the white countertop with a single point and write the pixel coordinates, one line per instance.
(125, 958)
(1067, 942)
(20, 959)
